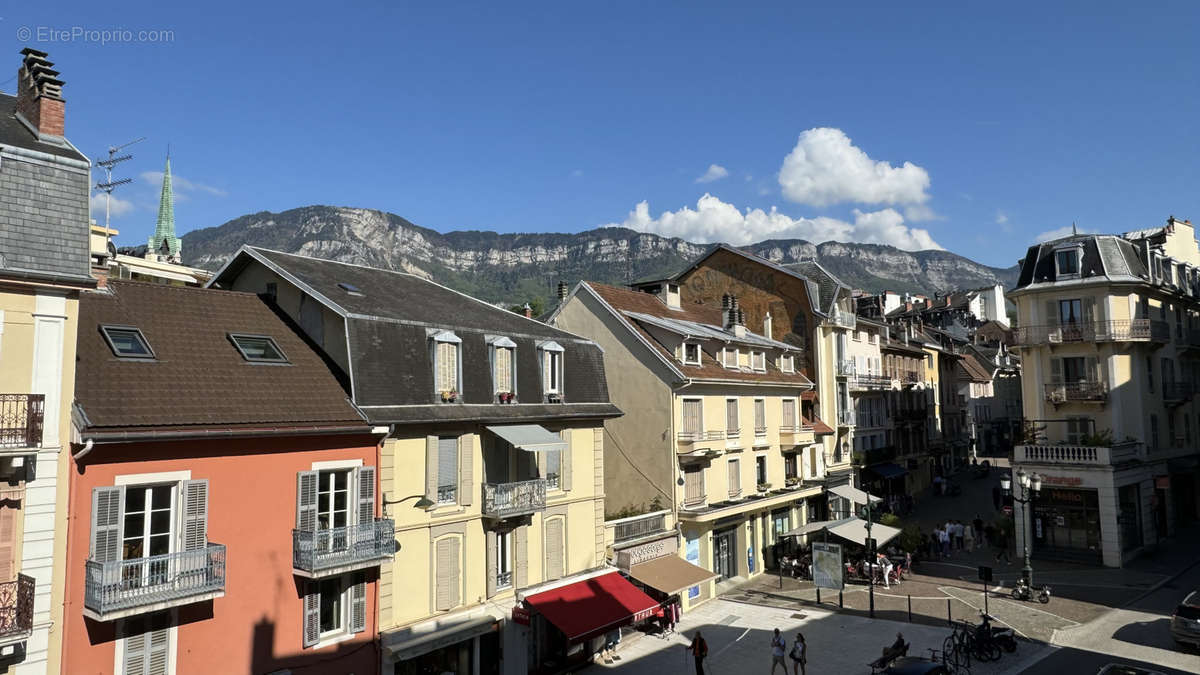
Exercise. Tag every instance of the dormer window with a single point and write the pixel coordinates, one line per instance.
(258, 348)
(504, 372)
(787, 363)
(758, 362)
(447, 365)
(552, 371)
(1067, 261)
(127, 342)
(691, 354)
(729, 357)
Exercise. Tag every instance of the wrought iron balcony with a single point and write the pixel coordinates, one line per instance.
(869, 383)
(1083, 390)
(16, 609)
(843, 319)
(504, 580)
(126, 587)
(319, 553)
(845, 367)
(636, 527)
(506, 500)
(1119, 330)
(846, 418)
(21, 419)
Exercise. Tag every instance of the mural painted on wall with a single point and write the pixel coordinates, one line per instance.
(759, 289)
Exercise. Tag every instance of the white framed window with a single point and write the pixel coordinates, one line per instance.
(258, 348)
(504, 371)
(732, 424)
(447, 366)
(127, 342)
(146, 516)
(692, 413)
(447, 470)
(758, 361)
(760, 417)
(787, 363)
(1066, 261)
(146, 644)
(691, 353)
(504, 565)
(335, 609)
(552, 370)
(730, 357)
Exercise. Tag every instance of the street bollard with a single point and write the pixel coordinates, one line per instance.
(949, 618)
(910, 608)
(840, 603)
(818, 595)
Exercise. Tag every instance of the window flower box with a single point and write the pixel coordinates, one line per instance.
(506, 397)
(763, 487)
(554, 398)
(449, 396)
(792, 481)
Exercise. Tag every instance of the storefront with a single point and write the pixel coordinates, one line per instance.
(656, 569)
(1066, 524)
(471, 647)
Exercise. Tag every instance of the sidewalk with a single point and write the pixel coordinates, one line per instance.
(739, 636)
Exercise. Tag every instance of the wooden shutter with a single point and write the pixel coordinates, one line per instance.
(455, 573)
(554, 549)
(503, 356)
(1051, 313)
(812, 462)
(195, 514)
(306, 501)
(1092, 369)
(521, 554)
(789, 413)
(691, 417)
(466, 478)
(447, 466)
(8, 536)
(312, 614)
(431, 468)
(731, 415)
(106, 523)
(760, 414)
(366, 495)
(358, 606)
(157, 642)
(490, 545)
(693, 485)
(564, 463)
(446, 592)
(1056, 371)
(735, 477)
(134, 660)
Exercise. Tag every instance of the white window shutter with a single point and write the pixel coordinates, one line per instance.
(491, 562)
(157, 656)
(134, 659)
(195, 514)
(366, 495)
(312, 614)
(431, 468)
(564, 469)
(1056, 371)
(455, 574)
(466, 478)
(521, 555)
(306, 501)
(106, 523)
(554, 549)
(442, 576)
(358, 607)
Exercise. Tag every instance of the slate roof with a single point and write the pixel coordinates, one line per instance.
(827, 284)
(814, 291)
(198, 378)
(644, 310)
(1105, 256)
(389, 317)
(14, 133)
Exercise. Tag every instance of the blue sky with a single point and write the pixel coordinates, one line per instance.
(971, 128)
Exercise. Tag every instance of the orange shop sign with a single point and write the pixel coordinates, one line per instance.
(1062, 480)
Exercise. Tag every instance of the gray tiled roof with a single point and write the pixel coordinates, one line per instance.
(1104, 256)
(827, 284)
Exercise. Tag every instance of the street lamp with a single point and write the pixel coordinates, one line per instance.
(1030, 486)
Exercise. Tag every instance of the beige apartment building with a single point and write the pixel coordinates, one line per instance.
(1109, 334)
(719, 430)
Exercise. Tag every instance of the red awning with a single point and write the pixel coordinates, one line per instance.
(594, 606)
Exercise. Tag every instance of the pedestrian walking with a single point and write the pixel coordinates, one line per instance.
(978, 523)
(969, 539)
(958, 535)
(944, 535)
(778, 647)
(799, 655)
(699, 650)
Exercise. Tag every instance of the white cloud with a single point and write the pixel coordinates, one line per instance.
(1060, 232)
(919, 212)
(714, 172)
(118, 207)
(1001, 218)
(181, 185)
(716, 221)
(826, 168)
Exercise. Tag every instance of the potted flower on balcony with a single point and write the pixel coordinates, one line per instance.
(507, 397)
(792, 481)
(763, 487)
(449, 396)
(554, 398)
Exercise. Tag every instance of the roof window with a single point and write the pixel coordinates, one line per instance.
(349, 288)
(258, 348)
(127, 342)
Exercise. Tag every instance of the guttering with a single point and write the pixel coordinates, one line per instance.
(684, 384)
(87, 447)
(104, 437)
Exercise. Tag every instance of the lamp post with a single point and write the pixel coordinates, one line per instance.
(1030, 486)
(871, 561)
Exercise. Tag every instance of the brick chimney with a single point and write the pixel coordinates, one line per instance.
(39, 95)
(528, 311)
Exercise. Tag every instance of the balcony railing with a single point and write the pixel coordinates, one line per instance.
(506, 500)
(789, 432)
(342, 549)
(870, 383)
(846, 418)
(1119, 330)
(125, 587)
(16, 609)
(845, 367)
(689, 437)
(1077, 454)
(639, 526)
(21, 418)
(843, 319)
(1084, 390)
(1177, 392)
(504, 580)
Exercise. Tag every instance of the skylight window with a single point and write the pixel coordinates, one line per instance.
(127, 342)
(258, 348)
(349, 288)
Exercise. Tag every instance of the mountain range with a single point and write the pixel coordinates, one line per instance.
(515, 268)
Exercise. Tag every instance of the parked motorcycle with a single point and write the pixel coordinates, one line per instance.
(999, 635)
(1022, 591)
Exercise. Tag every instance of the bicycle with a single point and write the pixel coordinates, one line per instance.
(951, 664)
(960, 644)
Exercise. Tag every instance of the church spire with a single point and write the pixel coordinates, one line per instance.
(164, 243)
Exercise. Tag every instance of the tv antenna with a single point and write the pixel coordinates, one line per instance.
(109, 184)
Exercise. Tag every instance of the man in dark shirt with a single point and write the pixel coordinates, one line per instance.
(699, 650)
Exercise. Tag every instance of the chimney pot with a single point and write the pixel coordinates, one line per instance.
(725, 301)
(39, 95)
(528, 311)
(562, 290)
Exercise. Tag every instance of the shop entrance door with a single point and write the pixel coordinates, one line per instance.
(723, 553)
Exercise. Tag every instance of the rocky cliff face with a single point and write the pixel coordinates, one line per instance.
(518, 267)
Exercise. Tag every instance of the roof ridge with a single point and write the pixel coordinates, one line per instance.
(168, 287)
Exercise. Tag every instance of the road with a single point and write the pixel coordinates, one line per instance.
(1137, 635)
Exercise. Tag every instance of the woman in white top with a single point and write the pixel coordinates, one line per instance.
(799, 655)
